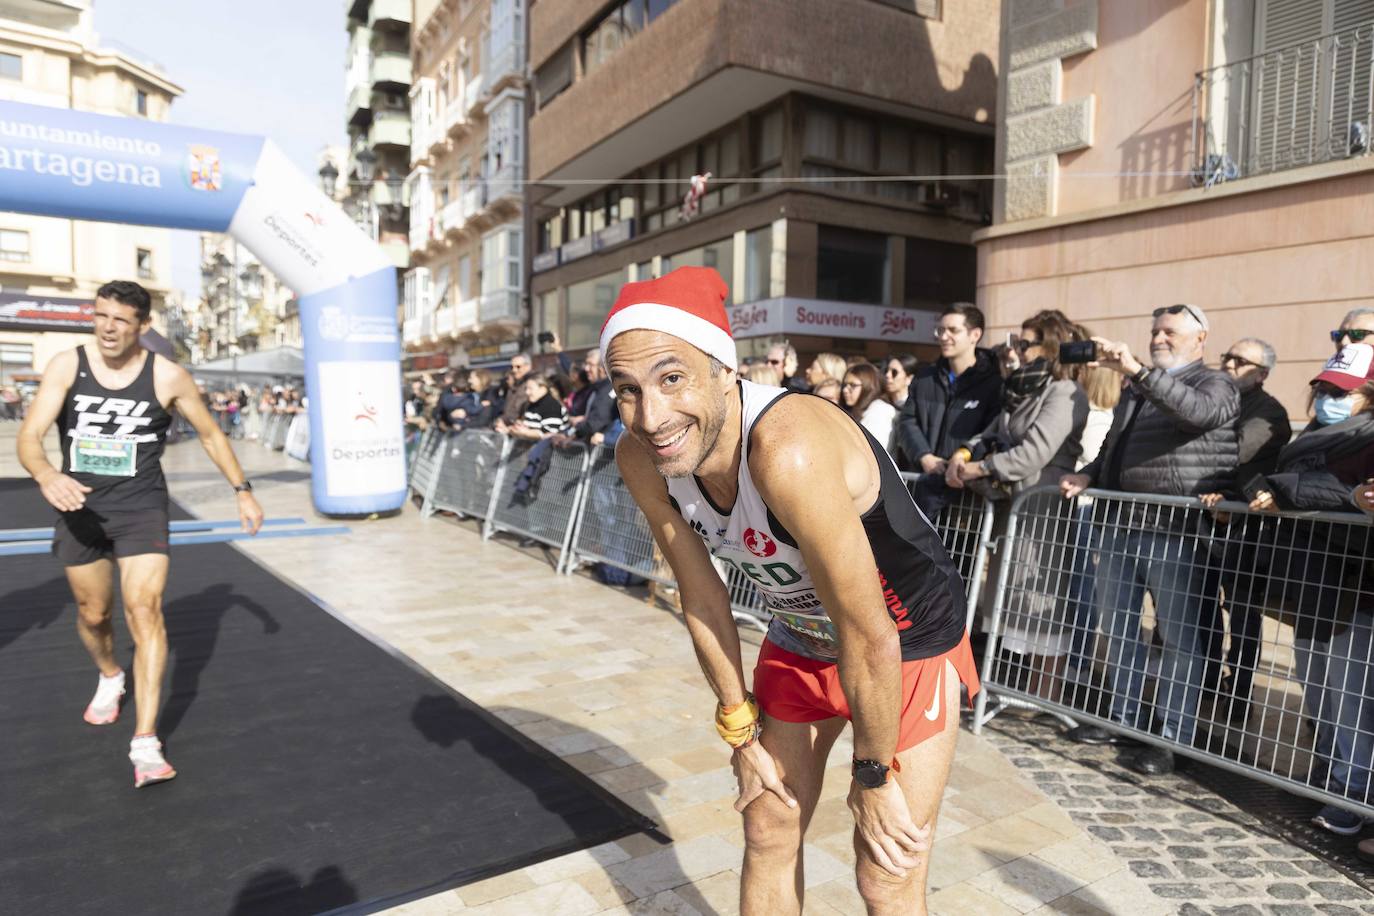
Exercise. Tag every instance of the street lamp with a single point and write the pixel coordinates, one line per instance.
(367, 165)
(329, 176)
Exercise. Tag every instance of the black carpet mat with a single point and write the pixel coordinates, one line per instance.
(317, 770)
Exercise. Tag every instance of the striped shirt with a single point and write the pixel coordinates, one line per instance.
(545, 415)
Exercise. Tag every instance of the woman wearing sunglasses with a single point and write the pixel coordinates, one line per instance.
(1036, 439)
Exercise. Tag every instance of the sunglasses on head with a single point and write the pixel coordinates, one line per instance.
(1239, 360)
(1356, 335)
(1178, 310)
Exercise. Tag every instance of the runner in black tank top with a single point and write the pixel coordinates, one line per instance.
(107, 398)
(792, 495)
(112, 440)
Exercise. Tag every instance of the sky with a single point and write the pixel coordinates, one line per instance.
(267, 67)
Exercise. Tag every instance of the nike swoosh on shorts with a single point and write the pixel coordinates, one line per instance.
(933, 712)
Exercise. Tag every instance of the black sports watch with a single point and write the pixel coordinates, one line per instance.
(245, 487)
(870, 773)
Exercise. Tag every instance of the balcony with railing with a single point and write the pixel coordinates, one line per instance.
(474, 198)
(391, 71)
(503, 187)
(443, 322)
(472, 96)
(358, 105)
(453, 216)
(410, 331)
(455, 118)
(390, 128)
(502, 305)
(505, 61)
(466, 316)
(1290, 107)
(389, 14)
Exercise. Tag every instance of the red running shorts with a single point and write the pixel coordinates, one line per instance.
(793, 688)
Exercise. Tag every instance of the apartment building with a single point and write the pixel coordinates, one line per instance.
(464, 293)
(50, 268)
(243, 308)
(1206, 151)
(843, 141)
(377, 90)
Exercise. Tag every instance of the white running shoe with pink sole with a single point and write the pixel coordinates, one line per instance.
(150, 767)
(104, 707)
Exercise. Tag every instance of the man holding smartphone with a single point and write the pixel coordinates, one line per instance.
(1173, 434)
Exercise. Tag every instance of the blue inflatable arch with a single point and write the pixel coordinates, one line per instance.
(77, 165)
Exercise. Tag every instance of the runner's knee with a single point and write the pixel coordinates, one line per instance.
(93, 613)
(882, 891)
(144, 616)
(771, 828)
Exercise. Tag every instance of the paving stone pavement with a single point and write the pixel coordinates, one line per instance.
(1188, 844)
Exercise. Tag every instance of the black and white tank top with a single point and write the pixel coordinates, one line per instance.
(920, 583)
(112, 439)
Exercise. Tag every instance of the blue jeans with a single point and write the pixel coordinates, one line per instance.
(1082, 585)
(1338, 692)
(1172, 567)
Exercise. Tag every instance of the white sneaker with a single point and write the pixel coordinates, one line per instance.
(145, 752)
(104, 707)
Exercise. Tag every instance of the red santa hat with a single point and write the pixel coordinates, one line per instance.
(688, 303)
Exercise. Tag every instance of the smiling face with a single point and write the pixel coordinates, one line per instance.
(668, 399)
(1176, 340)
(117, 327)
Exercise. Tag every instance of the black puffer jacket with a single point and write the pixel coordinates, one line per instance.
(939, 417)
(1172, 435)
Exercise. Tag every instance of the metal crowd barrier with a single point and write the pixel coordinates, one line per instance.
(609, 528)
(1244, 639)
(965, 527)
(582, 509)
(467, 479)
(543, 511)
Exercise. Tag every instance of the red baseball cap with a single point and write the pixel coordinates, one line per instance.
(1350, 368)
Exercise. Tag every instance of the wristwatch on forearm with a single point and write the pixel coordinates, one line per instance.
(245, 487)
(870, 774)
(1139, 375)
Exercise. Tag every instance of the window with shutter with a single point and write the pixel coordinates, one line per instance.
(1352, 46)
(1284, 81)
(1310, 82)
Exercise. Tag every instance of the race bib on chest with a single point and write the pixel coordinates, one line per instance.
(110, 456)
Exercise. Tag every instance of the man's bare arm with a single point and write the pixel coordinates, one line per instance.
(186, 400)
(799, 466)
(705, 602)
(61, 491)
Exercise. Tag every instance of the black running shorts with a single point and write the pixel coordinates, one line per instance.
(87, 535)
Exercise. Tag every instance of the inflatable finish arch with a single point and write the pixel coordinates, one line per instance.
(77, 165)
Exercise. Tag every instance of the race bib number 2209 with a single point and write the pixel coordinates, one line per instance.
(108, 455)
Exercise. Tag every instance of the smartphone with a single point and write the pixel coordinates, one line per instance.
(1078, 351)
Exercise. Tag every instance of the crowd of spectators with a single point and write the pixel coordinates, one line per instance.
(1054, 404)
(242, 412)
(1057, 405)
(12, 403)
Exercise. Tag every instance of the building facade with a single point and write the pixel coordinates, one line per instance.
(1234, 174)
(464, 296)
(377, 91)
(50, 268)
(243, 306)
(842, 139)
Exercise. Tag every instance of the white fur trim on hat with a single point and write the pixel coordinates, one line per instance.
(709, 338)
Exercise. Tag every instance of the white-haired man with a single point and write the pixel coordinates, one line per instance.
(1173, 434)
